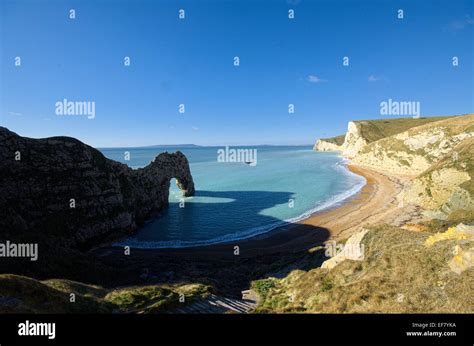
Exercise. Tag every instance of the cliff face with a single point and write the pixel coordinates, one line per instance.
(66, 192)
(438, 156)
(448, 185)
(354, 141)
(394, 263)
(436, 152)
(360, 133)
(323, 145)
(416, 150)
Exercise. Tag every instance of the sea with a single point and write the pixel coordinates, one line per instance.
(239, 200)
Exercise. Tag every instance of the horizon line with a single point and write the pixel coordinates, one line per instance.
(202, 146)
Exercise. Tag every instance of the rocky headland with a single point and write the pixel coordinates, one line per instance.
(434, 154)
(67, 197)
(329, 144)
(419, 257)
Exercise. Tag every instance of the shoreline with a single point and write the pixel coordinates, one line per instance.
(332, 203)
(375, 202)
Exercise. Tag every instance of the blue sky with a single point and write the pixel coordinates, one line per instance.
(190, 61)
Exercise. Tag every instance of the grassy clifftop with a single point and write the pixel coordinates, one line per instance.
(338, 140)
(20, 294)
(428, 142)
(373, 130)
(424, 267)
(438, 156)
(399, 274)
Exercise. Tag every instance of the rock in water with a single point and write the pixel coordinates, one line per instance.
(63, 191)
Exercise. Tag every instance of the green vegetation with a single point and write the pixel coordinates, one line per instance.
(153, 299)
(20, 294)
(455, 218)
(373, 130)
(326, 284)
(432, 140)
(452, 125)
(68, 286)
(338, 140)
(263, 286)
(399, 274)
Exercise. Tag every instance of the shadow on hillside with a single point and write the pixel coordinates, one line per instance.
(285, 250)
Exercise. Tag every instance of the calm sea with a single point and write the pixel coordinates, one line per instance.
(237, 200)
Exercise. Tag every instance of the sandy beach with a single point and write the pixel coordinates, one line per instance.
(375, 203)
(276, 253)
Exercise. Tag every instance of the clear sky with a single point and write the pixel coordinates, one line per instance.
(190, 61)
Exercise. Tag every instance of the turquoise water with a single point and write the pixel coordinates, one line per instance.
(236, 200)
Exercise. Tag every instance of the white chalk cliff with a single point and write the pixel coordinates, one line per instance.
(437, 155)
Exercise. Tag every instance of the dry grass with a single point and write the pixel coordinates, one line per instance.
(398, 275)
(373, 130)
(338, 140)
(20, 294)
(153, 298)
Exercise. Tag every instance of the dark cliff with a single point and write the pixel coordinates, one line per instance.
(65, 192)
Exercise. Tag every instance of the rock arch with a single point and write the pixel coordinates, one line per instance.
(111, 199)
(173, 165)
